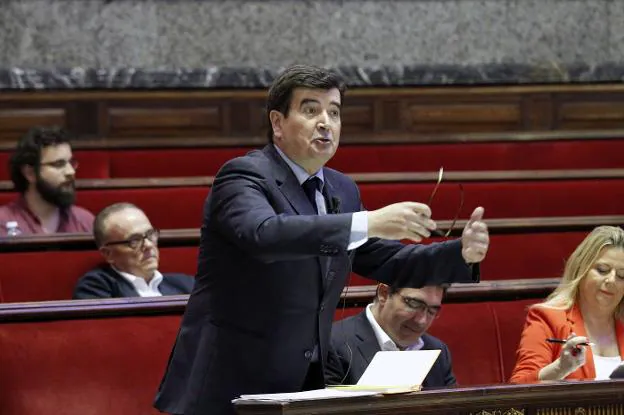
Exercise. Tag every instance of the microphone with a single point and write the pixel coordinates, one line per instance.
(335, 205)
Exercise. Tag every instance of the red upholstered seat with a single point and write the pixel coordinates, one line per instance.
(46, 276)
(84, 367)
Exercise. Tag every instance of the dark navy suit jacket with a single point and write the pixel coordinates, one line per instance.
(269, 277)
(354, 344)
(105, 282)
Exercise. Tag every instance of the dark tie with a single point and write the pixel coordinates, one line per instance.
(310, 187)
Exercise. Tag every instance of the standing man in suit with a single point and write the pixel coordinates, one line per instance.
(280, 235)
(129, 244)
(397, 319)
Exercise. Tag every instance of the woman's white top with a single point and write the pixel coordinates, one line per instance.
(605, 366)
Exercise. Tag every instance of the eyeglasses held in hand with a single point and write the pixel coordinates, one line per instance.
(438, 232)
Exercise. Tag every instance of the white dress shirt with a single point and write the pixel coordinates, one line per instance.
(385, 342)
(359, 220)
(141, 286)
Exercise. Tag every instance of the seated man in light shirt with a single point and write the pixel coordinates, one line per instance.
(397, 320)
(129, 244)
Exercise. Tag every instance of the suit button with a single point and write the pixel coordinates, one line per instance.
(322, 306)
(308, 354)
(331, 274)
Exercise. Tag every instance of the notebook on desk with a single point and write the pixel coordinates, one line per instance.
(395, 372)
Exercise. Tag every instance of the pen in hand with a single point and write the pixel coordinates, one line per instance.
(560, 341)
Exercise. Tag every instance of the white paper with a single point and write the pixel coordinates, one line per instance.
(399, 368)
(306, 395)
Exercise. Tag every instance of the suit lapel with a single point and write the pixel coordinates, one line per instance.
(575, 319)
(288, 184)
(366, 344)
(166, 288)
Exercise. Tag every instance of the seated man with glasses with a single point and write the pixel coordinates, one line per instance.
(43, 172)
(129, 244)
(397, 319)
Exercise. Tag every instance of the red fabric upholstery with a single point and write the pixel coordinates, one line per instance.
(167, 208)
(471, 334)
(182, 207)
(574, 154)
(84, 367)
(171, 162)
(510, 318)
(46, 276)
(580, 154)
(93, 164)
(506, 199)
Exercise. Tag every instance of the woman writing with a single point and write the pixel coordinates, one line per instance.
(585, 311)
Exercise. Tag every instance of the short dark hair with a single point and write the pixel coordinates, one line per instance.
(28, 152)
(100, 220)
(395, 288)
(299, 76)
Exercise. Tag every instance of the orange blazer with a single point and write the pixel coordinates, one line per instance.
(534, 352)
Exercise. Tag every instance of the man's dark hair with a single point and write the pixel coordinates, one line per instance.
(100, 220)
(299, 76)
(395, 288)
(28, 152)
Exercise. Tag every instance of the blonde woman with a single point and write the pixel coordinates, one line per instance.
(585, 312)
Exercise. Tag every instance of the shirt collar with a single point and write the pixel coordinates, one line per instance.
(134, 280)
(385, 342)
(298, 171)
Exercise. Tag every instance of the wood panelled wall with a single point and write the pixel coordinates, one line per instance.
(386, 112)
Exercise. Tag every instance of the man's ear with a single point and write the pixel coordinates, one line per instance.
(383, 292)
(107, 254)
(28, 172)
(277, 118)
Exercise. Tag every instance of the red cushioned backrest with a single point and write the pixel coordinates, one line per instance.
(93, 164)
(181, 207)
(505, 199)
(167, 208)
(51, 275)
(510, 317)
(171, 162)
(580, 154)
(470, 332)
(84, 367)
(387, 158)
(529, 255)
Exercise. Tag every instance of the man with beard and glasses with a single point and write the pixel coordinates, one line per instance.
(397, 319)
(43, 171)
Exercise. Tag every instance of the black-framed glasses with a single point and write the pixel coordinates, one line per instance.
(61, 163)
(439, 232)
(416, 305)
(138, 241)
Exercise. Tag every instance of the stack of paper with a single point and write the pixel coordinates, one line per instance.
(307, 395)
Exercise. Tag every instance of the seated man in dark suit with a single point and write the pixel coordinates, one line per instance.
(397, 320)
(129, 243)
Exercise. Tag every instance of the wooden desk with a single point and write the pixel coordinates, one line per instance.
(560, 398)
